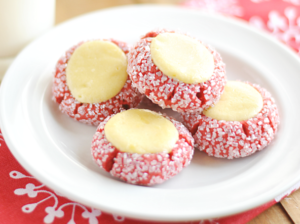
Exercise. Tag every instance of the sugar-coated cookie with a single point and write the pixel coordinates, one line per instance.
(176, 71)
(91, 81)
(238, 125)
(142, 147)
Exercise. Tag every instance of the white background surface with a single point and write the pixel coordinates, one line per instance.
(56, 149)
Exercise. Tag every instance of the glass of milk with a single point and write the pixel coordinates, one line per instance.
(20, 22)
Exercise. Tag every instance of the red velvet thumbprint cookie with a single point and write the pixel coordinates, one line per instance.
(91, 81)
(244, 121)
(176, 71)
(142, 147)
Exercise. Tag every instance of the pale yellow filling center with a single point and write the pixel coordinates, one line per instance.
(141, 131)
(96, 71)
(181, 57)
(239, 102)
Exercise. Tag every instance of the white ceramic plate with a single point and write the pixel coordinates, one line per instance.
(56, 149)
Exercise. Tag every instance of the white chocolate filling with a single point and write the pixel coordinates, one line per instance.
(239, 102)
(181, 57)
(96, 71)
(141, 131)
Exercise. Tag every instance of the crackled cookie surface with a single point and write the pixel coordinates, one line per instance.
(174, 76)
(244, 133)
(96, 71)
(92, 104)
(135, 159)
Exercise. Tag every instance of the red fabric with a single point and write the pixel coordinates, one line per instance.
(279, 17)
(14, 181)
(19, 190)
(15, 196)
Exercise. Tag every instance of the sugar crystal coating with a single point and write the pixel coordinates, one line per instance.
(142, 169)
(91, 113)
(234, 139)
(168, 92)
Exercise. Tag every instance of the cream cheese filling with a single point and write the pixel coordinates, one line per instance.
(181, 57)
(239, 102)
(141, 131)
(96, 71)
